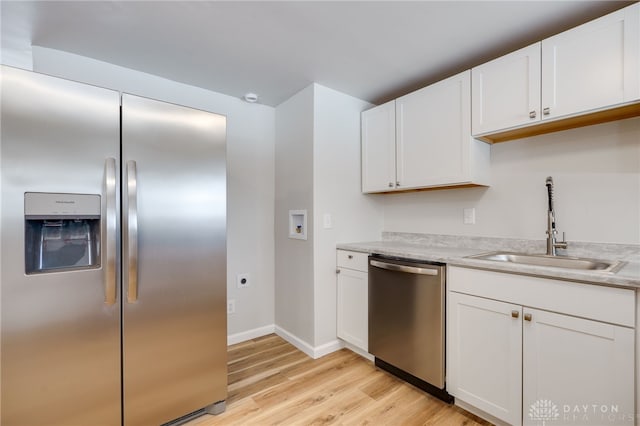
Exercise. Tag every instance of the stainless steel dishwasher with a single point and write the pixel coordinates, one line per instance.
(406, 321)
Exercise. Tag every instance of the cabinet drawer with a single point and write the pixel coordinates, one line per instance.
(608, 304)
(353, 260)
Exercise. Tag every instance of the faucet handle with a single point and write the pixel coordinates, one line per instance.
(562, 244)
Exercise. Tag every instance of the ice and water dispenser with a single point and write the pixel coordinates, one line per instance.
(62, 232)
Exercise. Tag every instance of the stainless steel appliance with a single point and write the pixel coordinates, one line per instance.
(406, 321)
(109, 315)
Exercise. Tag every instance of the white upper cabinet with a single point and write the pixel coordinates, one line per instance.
(379, 148)
(506, 91)
(592, 66)
(432, 146)
(433, 134)
(586, 75)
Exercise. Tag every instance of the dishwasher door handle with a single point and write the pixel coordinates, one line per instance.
(404, 268)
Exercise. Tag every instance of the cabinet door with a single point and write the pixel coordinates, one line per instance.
(433, 134)
(576, 371)
(506, 91)
(353, 307)
(592, 66)
(484, 355)
(379, 148)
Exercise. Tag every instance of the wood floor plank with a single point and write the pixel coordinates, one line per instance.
(272, 383)
(277, 363)
(306, 401)
(388, 409)
(381, 384)
(251, 347)
(329, 361)
(261, 357)
(312, 381)
(240, 392)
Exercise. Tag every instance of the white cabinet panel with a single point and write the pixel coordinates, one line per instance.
(379, 148)
(484, 355)
(586, 75)
(575, 363)
(592, 66)
(607, 304)
(423, 140)
(506, 91)
(353, 260)
(433, 134)
(570, 369)
(353, 307)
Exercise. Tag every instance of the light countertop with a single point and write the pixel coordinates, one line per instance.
(442, 250)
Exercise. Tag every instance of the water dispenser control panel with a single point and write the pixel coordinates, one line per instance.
(62, 232)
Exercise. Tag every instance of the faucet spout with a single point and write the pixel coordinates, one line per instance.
(552, 243)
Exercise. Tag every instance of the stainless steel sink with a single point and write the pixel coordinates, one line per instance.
(564, 262)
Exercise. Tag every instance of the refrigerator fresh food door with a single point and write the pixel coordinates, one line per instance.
(174, 260)
(60, 319)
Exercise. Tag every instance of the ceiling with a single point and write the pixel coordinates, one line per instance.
(373, 50)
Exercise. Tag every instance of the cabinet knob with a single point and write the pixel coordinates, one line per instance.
(515, 314)
(390, 184)
(397, 183)
(527, 317)
(350, 256)
(546, 111)
(337, 271)
(532, 114)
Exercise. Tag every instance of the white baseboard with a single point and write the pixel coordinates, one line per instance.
(243, 336)
(479, 413)
(295, 341)
(327, 348)
(313, 352)
(364, 354)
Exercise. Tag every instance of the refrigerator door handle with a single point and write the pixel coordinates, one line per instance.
(131, 229)
(109, 231)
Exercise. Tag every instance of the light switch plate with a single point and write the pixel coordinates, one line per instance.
(328, 224)
(469, 216)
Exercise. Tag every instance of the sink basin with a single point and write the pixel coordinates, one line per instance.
(552, 261)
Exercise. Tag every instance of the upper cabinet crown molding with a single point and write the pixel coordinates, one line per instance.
(432, 146)
(586, 75)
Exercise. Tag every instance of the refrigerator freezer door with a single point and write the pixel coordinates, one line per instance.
(60, 340)
(174, 260)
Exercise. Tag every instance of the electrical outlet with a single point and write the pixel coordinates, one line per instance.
(231, 307)
(243, 280)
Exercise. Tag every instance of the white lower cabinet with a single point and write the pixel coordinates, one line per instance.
(353, 299)
(584, 368)
(528, 365)
(484, 361)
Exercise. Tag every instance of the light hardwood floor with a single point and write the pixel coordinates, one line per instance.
(271, 382)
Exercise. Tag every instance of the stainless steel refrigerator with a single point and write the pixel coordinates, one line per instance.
(113, 256)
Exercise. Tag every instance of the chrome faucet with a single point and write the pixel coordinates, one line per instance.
(552, 243)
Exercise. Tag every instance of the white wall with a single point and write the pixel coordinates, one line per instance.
(294, 191)
(318, 169)
(250, 161)
(337, 192)
(596, 171)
